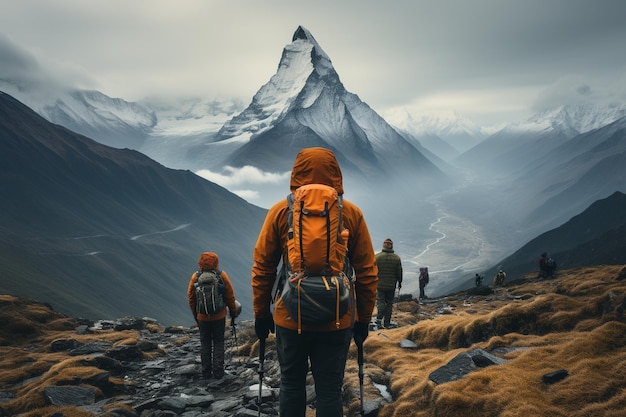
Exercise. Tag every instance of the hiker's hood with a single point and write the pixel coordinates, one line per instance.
(316, 166)
(208, 261)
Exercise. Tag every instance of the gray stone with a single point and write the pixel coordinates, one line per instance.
(483, 358)
(147, 405)
(6, 396)
(555, 376)
(160, 413)
(129, 323)
(199, 400)
(176, 404)
(408, 344)
(82, 329)
(227, 404)
(124, 353)
(65, 396)
(61, 345)
(371, 407)
(188, 370)
(244, 412)
(464, 363)
(459, 366)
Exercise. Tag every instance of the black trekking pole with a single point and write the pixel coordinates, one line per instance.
(234, 326)
(359, 347)
(261, 361)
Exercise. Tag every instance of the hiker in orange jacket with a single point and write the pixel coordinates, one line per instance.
(326, 346)
(212, 326)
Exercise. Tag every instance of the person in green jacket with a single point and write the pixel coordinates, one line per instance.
(389, 274)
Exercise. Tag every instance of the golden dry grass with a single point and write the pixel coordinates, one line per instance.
(27, 331)
(574, 322)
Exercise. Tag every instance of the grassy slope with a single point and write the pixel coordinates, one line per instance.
(574, 322)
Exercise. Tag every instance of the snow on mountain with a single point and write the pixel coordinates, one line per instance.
(305, 104)
(571, 119)
(191, 116)
(456, 130)
(276, 97)
(94, 109)
(112, 121)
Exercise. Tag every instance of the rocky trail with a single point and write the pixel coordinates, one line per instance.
(52, 365)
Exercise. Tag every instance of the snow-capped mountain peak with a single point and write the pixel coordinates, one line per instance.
(305, 104)
(299, 60)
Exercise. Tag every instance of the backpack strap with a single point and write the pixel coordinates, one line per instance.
(279, 281)
(290, 201)
(285, 266)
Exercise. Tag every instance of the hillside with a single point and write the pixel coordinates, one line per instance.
(100, 231)
(594, 237)
(545, 348)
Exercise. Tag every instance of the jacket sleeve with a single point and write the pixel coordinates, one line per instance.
(191, 295)
(229, 294)
(399, 272)
(267, 255)
(363, 260)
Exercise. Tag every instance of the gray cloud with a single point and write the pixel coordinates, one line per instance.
(15, 63)
(491, 59)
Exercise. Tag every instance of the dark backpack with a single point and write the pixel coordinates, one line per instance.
(316, 288)
(209, 292)
(424, 278)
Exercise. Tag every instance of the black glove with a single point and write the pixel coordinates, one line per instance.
(263, 326)
(360, 331)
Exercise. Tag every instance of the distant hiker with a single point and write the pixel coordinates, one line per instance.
(478, 279)
(324, 345)
(550, 267)
(543, 271)
(499, 279)
(423, 281)
(210, 291)
(389, 275)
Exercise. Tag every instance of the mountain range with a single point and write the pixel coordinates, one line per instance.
(76, 201)
(100, 231)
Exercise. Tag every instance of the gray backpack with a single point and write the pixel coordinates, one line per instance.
(209, 292)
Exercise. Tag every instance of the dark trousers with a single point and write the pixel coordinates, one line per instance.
(327, 352)
(212, 347)
(422, 287)
(384, 305)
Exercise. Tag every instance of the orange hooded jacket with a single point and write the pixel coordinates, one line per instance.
(209, 261)
(313, 166)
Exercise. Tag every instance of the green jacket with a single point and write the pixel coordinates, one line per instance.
(389, 270)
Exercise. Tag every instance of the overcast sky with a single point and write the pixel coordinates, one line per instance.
(492, 61)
